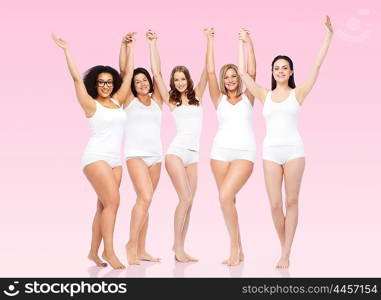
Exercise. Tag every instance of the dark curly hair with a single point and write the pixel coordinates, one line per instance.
(91, 77)
(175, 95)
(291, 80)
(146, 73)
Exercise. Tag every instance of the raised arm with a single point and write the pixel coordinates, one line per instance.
(126, 66)
(156, 68)
(251, 63)
(85, 100)
(200, 88)
(214, 90)
(123, 56)
(254, 89)
(303, 89)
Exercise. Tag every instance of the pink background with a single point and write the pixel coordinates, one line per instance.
(47, 205)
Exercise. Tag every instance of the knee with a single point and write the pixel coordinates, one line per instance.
(111, 203)
(292, 201)
(276, 206)
(99, 206)
(226, 199)
(145, 199)
(187, 200)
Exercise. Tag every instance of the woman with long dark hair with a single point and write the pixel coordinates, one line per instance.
(101, 95)
(184, 101)
(283, 150)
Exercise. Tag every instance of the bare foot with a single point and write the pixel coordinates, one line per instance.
(234, 258)
(147, 257)
(113, 261)
(241, 258)
(95, 258)
(181, 257)
(132, 254)
(190, 258)
(283, 262)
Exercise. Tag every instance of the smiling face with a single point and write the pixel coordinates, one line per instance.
(282, 71)
(105, 85)
(180, 81)
(231, 80)
(141, 83)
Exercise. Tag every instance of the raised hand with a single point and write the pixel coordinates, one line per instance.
(209, 32)
(328, 24)
(60, 42)
(129, 38)
(244, 35)
(151, 35)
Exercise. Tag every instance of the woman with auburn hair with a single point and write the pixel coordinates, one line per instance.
(283, 150)
(142, 150)
(181, 159)
(233, 151)
(101, 95)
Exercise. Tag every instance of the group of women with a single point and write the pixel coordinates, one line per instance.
(130, 103)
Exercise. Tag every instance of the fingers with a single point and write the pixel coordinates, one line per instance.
(60, 42)
(328, 23)
(151, 35)
(209, 32)
(129, 38)
(244, 34)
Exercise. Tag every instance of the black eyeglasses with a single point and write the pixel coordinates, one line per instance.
(102, 83)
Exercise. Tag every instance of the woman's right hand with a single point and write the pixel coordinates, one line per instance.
(151, 36)
(244, 35)
(129, 39)
(209, 32)
(60, 42)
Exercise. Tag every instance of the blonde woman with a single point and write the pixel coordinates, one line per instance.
(233, 151)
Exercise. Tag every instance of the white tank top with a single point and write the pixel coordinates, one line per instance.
(235, 129)
(107, 127)
(143, 129)
(188, 120)
(282, 121)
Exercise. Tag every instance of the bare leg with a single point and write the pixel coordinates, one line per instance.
(220, 169)
(293, 173)
(96, 237)
(273, 173)
(241, 255)
(141, 180)
(191, 171)
(106, 185)
(154, 172)
(238, 172)
(179, 178)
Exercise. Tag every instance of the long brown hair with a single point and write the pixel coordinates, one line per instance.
(175, 95)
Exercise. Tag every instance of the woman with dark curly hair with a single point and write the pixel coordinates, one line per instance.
(101, 95)
(181, 159)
